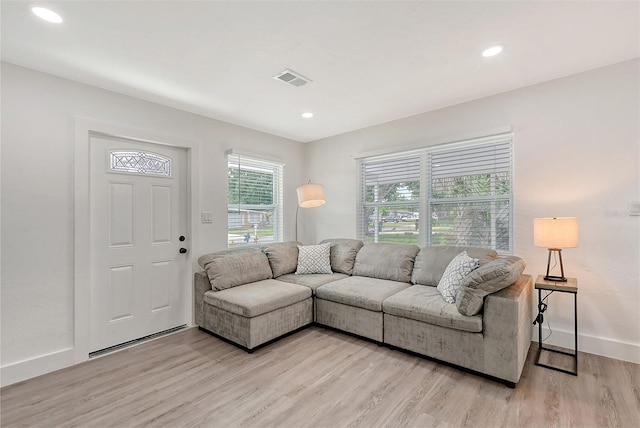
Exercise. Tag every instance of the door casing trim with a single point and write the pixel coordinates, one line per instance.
(85, 129)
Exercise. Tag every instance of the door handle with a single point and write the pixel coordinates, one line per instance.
(183, 250)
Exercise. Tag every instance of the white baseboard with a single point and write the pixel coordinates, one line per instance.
(36, 366)
(593, 345)
(43, 364)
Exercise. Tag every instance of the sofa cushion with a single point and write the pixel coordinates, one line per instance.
(361, 292)
(343, 254)
(451, 280)
(238, 266)
(424, 303)
(431, 262)
(487, 279)
(313, 259)
(257, 298)
(312, 280)
(386, 261)
(283, 257)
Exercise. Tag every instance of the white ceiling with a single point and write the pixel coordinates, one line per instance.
(370, 62)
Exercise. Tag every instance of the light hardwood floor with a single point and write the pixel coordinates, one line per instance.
(314, 378)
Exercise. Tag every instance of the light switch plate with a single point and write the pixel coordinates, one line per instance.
(206, 217)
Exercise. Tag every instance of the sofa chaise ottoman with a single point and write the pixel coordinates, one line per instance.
(239, 301)
(251, 295)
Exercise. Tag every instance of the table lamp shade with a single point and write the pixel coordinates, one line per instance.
(556, 232)
(310, 195)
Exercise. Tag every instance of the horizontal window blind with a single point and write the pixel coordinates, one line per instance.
(390, 196)
(254, 201)
(469, 172)
(456, 194)
(470, 195)
(392, 171)
(492, 157)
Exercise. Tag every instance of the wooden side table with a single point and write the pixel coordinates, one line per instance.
(571, 286)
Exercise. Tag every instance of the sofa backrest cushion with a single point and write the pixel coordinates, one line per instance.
(386, 261)
(487, 279)
(431, 262)
(231, 268)
(283, 257)
(343, 254)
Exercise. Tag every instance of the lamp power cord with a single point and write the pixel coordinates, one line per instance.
(542, 308)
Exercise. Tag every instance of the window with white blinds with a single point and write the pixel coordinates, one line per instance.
(390, 198)
(254, 197)
(456, 194)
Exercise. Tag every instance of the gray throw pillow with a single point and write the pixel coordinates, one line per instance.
(283, 257)
(431, 262)
(343, 254)
(231, 268)
(487, 279)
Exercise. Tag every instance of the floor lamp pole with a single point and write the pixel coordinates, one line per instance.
(297, 208)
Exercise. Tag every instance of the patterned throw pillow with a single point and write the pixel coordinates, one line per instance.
(451, 281)
(314, 259)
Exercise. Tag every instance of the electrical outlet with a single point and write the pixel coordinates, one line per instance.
(206, 217)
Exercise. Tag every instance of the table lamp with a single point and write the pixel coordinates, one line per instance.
(555, 234)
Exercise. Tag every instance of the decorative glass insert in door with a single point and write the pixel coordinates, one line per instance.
(139, 163)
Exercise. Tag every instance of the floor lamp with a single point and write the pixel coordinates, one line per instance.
(310, 195)
(555, 234)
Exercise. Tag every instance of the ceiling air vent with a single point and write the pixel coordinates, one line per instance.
(292, 78)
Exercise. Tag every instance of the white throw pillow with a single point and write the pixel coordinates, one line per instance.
(451, 281)
(314, 259)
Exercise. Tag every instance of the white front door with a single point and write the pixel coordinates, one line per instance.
(138, 204)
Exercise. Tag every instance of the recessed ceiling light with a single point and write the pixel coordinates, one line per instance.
(307, 115)
(492, 51)
(46, 14)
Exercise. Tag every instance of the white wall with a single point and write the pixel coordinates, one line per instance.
(577, 153)
(38, 115)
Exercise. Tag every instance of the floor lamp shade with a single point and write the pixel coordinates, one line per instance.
(310, 195)
(555, 234)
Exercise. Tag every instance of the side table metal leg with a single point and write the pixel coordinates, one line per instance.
(539, 323)
(537, 361)
(575, 307)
